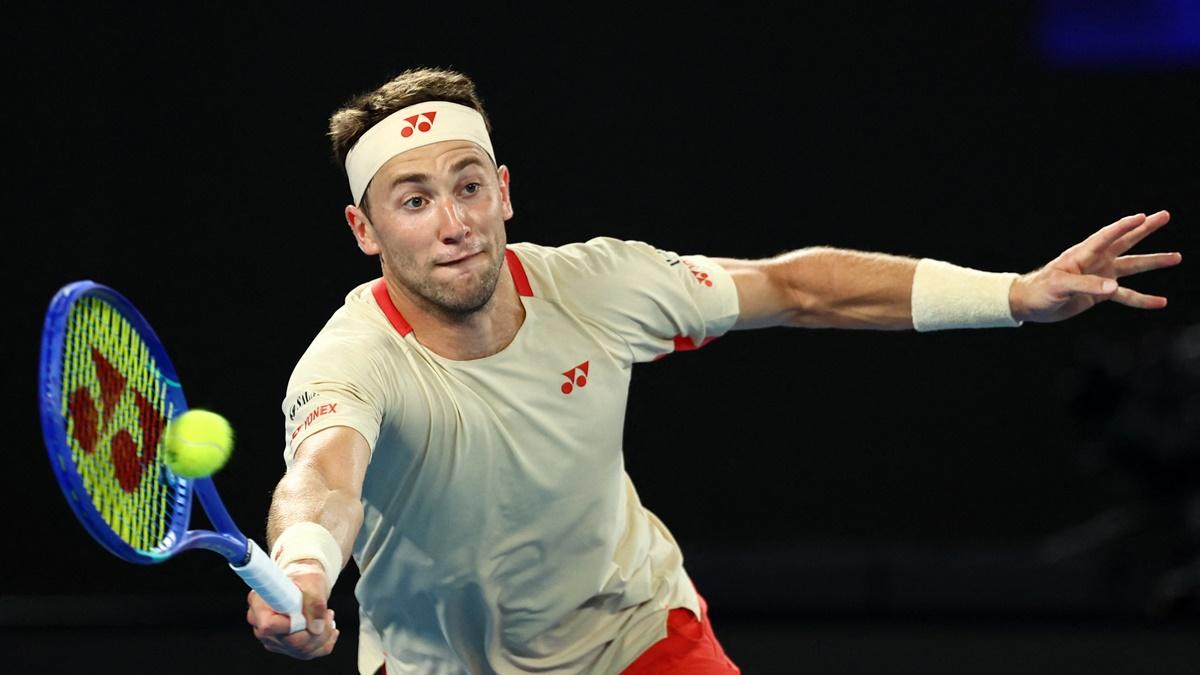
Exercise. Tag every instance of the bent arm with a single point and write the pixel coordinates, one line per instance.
(823, 287)
(321, 489)
(324, 486)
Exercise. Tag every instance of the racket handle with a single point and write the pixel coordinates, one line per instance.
(264, 576)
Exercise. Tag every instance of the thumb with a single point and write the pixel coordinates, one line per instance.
(314, 610)
(314, 589)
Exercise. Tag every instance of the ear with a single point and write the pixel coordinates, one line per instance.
(363, 231)
(505, 191)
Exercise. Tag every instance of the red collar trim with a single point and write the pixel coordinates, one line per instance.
(379, 290)
(518, 274)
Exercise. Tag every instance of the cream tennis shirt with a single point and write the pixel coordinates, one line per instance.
(501, 532)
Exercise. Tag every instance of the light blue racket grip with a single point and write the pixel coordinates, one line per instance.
(264, 576)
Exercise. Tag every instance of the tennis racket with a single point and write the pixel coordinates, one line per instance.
(107, 391)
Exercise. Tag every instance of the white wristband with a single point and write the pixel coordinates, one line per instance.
(308, 540)
(948, 296)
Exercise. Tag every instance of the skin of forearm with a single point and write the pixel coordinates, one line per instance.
(842, 288)
(304, 495)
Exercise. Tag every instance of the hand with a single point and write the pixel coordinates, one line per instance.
(1085, 274)
(272, 628)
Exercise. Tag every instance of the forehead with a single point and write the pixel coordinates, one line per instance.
(432, 160)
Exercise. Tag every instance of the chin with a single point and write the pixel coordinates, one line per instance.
(468, 300)
(466, 303)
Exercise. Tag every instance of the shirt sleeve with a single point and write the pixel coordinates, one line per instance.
(333, 384)
(657, 301)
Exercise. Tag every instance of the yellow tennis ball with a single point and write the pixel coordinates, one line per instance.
(197, 443)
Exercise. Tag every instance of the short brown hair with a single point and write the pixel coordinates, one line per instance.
(411, 87)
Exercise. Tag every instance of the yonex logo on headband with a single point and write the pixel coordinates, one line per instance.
(408, 128)
(421, 126)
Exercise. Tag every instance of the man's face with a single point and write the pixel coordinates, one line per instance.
(437, 222)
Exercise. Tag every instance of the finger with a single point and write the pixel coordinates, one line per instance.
(302, 642)
(1131, 239)
(1131, 298)
(325, 645)
(258, 609)
(1090, 284)
(327, 648)
(1134, 264)
(289, 646)
(268, 621)
(304, 645)
(254, 601)
(1106, 236)
(270, 624)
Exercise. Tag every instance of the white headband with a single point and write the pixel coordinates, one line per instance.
(408, 128)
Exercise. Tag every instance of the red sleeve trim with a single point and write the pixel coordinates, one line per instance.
(518, 274)
(687, 344)
(379, 290)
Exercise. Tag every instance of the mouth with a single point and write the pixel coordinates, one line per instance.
(461, 261)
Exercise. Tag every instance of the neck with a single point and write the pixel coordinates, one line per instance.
(463, 337)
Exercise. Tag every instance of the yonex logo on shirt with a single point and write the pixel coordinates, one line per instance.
(312, 417)
(574, 380)
(416, 122)
(701, 277)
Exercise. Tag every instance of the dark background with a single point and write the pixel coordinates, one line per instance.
(848, 501)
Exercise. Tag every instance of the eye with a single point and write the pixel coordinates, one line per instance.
(472, 188)
(413, 202)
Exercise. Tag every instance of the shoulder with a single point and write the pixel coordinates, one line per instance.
(596, 254)
(593, 261)
(353, 342)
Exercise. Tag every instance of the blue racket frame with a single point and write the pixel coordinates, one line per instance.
(227, 540)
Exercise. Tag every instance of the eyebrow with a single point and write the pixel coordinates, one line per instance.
(424, 177)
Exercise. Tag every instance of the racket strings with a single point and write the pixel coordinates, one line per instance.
(115, 403)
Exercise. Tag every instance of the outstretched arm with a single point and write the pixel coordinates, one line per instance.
(323, 487)
(837, 288)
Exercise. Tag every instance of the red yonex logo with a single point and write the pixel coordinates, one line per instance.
(415, 122)
(701, 277)
(326, 409)
(128, 459)
(574, 380)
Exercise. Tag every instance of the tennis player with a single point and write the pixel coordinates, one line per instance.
(456, 426)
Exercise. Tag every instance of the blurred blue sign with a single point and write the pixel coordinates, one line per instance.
(1120, 33)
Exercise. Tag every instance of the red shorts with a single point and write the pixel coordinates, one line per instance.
(689, 647)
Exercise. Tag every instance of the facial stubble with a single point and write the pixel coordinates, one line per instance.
(443, 298)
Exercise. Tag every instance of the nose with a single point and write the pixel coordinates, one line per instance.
(453, 224)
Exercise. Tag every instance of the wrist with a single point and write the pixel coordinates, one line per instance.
(947, 296)
(1016, 299)
(307, 547)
